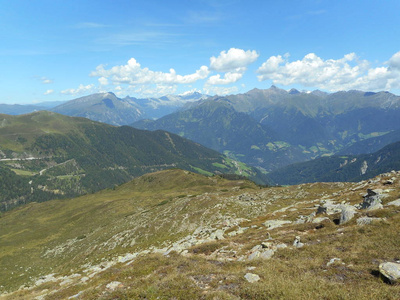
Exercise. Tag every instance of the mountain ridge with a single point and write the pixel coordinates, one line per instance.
(60, 156)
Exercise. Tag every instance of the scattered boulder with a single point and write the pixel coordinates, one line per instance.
(329, 207)
(390, 271)
(321, 210)
(372, 200)
(347, 214)
(267, 254)
(250, 277)
(297, 242)
(332, 261)
(217, 235)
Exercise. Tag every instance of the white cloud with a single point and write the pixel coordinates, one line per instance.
(234, 60)
(44, 80)
(228, 78)
(103, 81)
(133, 74)
(394, 61)
(48, 92)
(234, 63)
(82, 89)
(346, 73)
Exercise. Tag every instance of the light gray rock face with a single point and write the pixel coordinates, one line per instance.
(328, 207)
(347, 214)
(113, 285)
(372, 200)
(250, 277)
(390, 270)
(367, 220)
(395, 202)
(271, 224)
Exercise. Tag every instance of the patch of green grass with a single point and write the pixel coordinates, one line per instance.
(221, 166)
(23, 172)
(201, 171)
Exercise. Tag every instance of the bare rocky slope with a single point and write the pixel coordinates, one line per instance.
(179, 235)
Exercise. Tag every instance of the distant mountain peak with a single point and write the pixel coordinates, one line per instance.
(294, 91)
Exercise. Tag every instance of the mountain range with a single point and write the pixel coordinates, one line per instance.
(267, 129)
(45, 155)
(282, 127)
(108, 108)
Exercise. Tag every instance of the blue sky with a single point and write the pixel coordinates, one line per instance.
(61, 50)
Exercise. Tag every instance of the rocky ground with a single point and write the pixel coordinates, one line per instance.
(311, 241)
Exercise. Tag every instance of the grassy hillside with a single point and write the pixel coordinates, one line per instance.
(176, 234)
(55, 156)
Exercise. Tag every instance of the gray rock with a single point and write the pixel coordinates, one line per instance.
(113, 285)
(395, 202)
(297, 242)
(390, 270)
(271, 224)
(254, 255)
(372, 200)
(321, 210)
(367, 220)
(332, 261)
(217, 235)
(250, 277)
(347, 214)
(267, 254)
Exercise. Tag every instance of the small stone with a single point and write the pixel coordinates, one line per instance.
(250, 277)
(266, 244)
(390, 270)
(332, 261)
(297, 242)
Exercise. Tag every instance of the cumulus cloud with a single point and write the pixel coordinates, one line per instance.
(48, 92)
(103, 81)
(345, 73)
(394, 62)
(233, 60)
(234, 63)
(82, 89)
(133, 74)
(227, 79)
